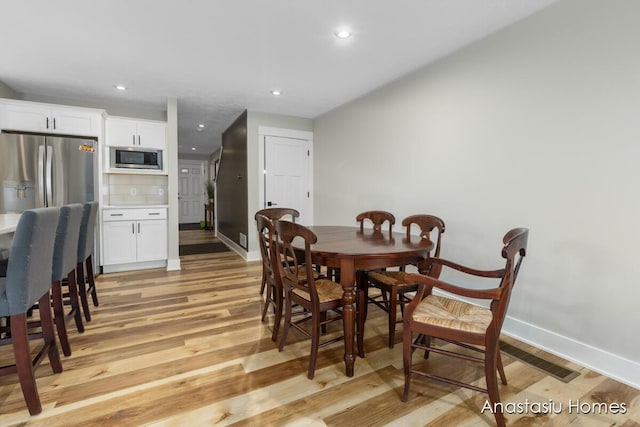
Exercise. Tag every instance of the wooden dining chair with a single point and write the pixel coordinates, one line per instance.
(275, 214)
(468, 325)
(27, 282)
(393, 289)
(317, 296)
(377, 218)
(274, 296)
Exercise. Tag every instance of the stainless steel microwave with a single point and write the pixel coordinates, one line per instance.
(135, 158)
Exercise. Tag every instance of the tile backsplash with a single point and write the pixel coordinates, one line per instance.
(137, 189)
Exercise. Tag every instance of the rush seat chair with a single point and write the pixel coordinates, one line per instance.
(470, 326)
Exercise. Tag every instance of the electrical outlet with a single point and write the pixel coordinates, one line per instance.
(134, 191)
(160, 191)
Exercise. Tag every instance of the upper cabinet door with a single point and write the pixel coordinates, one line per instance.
(73, 122)
(25, 118)
(121, 132)
(152, 135)
(136, 133)
(33, 117)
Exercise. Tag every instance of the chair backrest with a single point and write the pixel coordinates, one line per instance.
(377, 218)
(65, 251)
(275, 214)
(289, 260)
(30, 261)
(514, 251)
(427, 223)
(87, 230)
(266, 238)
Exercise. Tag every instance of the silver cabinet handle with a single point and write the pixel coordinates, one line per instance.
(47, 125)
(138, 228)
(133, 230)
(153, 213)
(134, 139)
(116, 214)
(54, 123)
(139, 143)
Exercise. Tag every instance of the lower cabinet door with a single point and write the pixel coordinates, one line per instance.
(152, 240)
(119, 242)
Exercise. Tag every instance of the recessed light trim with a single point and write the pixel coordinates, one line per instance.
(343, 34)
(276, 92)
(120, 87)
(193, 148)
(201, 126)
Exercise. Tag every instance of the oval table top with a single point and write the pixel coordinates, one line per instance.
(368, 246)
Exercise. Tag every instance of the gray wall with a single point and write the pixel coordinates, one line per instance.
(231, 197)
(7, 92)
(112, 109)
(534, 126)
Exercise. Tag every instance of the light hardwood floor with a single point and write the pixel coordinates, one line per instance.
(188, 348)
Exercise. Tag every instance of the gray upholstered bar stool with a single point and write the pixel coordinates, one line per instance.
(27, 282)
(65, 256)
(85, 257)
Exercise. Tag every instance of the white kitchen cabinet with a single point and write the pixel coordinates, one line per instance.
(123, 132)
(47, 118)
(134, 238)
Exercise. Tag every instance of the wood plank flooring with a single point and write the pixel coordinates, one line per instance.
(188, 348)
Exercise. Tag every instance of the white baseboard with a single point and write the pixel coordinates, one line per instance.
(173, 264)
(611, 365)
(233, 245)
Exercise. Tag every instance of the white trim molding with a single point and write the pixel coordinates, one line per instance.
(611, 365)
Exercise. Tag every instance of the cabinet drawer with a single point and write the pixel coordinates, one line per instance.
(133, 214)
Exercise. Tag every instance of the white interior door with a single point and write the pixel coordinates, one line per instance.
(286, 176)
(192, 181)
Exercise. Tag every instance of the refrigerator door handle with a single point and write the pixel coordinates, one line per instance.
(41, 194)
(49, 175)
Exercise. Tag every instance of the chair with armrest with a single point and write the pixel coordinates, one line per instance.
(467, 325)
(28, 282)
(85, 257)
(393, 288)
(65, 255)
(274, 214)
(318, 296)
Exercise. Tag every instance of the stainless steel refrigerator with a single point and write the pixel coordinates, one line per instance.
(44, 170)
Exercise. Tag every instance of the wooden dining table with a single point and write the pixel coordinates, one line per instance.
(352, 250)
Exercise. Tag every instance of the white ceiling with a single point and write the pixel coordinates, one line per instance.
(219, 57)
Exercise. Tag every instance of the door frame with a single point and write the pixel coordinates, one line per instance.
(264, 131)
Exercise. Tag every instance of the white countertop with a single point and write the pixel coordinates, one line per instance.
(8, 223)
(134, 206)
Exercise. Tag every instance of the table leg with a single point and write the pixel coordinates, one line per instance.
(347, 280)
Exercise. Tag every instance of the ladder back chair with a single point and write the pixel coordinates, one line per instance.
(470, 326)
(317, 296)
(274, 214)
(393, 288)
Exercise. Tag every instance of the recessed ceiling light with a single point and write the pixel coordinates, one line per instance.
(201, 126)
(120, 87)
(276, 92)
(343, 34)
(193, 148)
